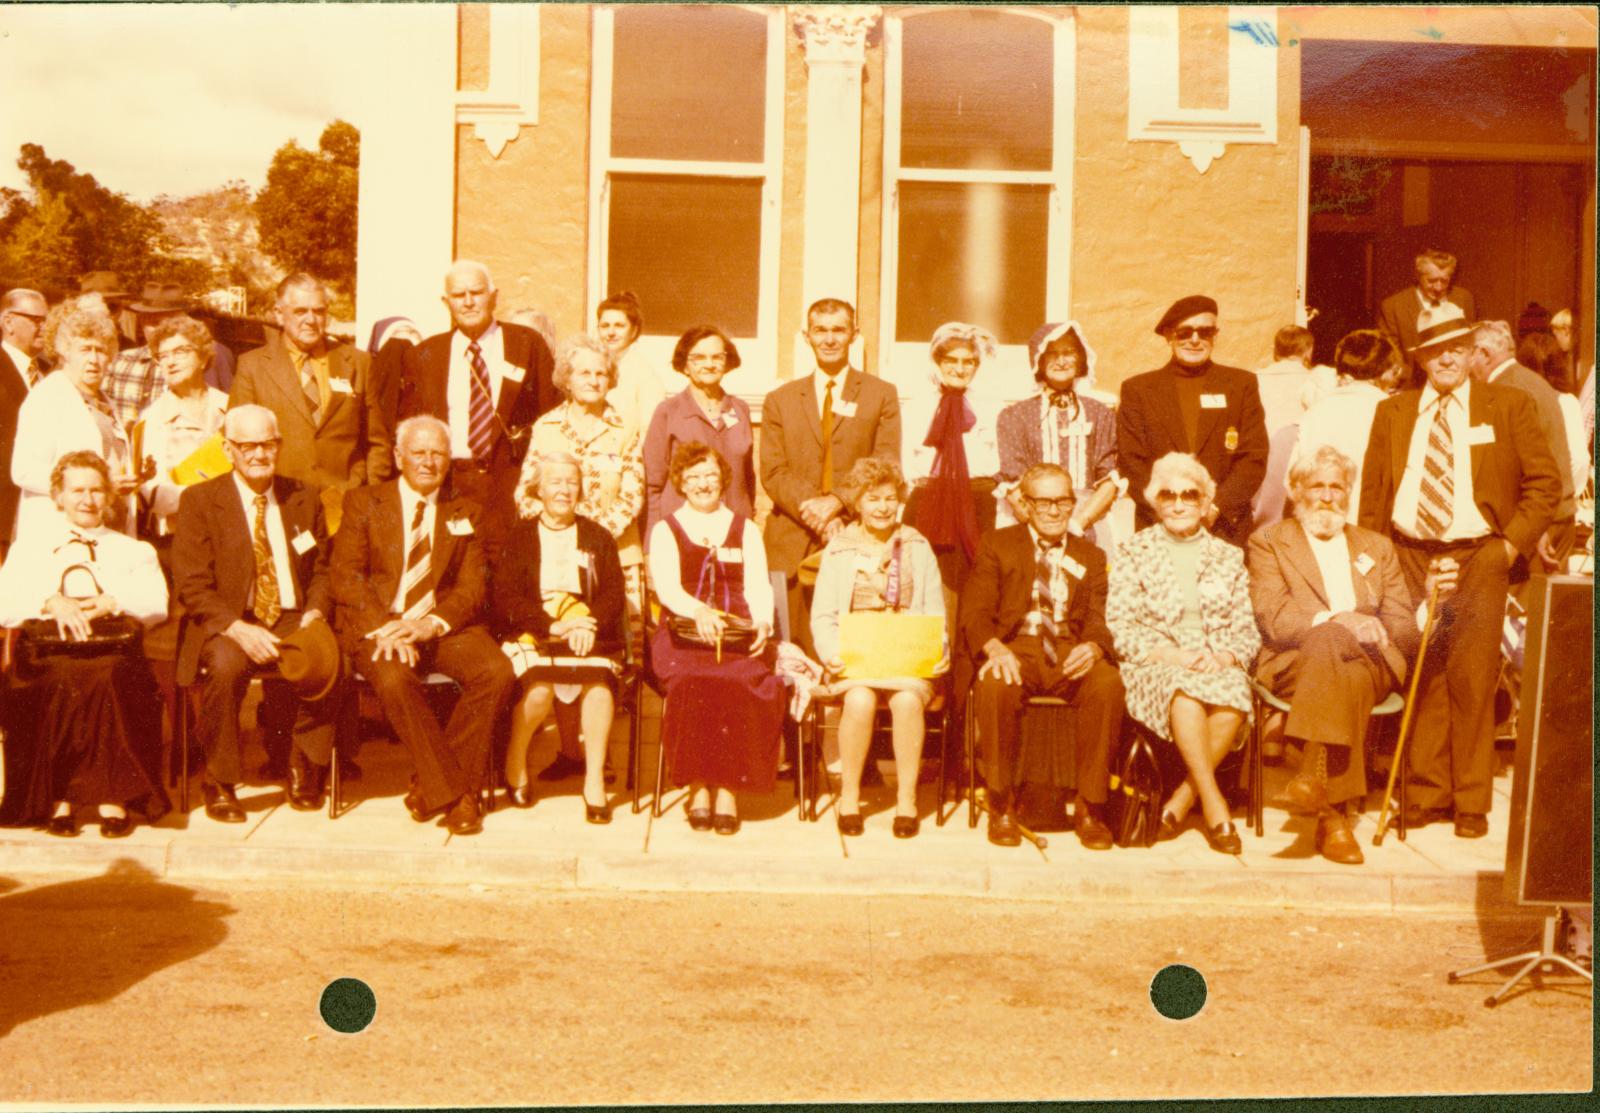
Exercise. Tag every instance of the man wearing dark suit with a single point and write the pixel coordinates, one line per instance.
(1461, 478)
(250, 566)
(1337, 626)
(334, 432)
(22, 314)
(1033, 613)
(1400, 314)
(487, 381)
(408, 577)
(813, 429)
(1193, 405)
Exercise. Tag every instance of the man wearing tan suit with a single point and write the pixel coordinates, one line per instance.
(813, 429)
(1337, 629)
(334, 433)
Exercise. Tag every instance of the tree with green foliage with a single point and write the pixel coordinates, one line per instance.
(307, 210)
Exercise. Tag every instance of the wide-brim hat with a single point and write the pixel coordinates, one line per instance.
(1440, 326)
(160, 297)
(308, 661)
(108, 284)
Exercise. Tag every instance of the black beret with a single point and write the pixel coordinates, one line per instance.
(1184, 308)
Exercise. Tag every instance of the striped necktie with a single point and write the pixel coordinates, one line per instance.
(480, 407)
(266, 605)
(1050, 597)
(1436, 496)
(415, 587)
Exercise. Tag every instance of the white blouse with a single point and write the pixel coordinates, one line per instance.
(127, 570)
(981, 441)
(710, 530)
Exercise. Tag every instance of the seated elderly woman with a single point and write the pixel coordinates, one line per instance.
(1178, 607)
(81, 697)
(186, 415)
(723, 719)
(587, 427)
(557, 606)
(876, 564)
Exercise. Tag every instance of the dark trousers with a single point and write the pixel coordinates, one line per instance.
(227, 671)
(449, 761)
(1452, 725)
(1095, 699)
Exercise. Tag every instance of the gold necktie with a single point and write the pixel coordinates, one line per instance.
(827, 438)
(266, 601)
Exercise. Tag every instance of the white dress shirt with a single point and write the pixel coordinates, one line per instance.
(409, 498)
(1466, 523)
(20, 359)
(709, 530)
(127, 570)
(1338, 583)
(819, 383)
(277, 541)
(458, 390)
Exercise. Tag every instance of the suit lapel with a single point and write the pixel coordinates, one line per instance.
(444, 542)
(1366, 597)
(808, 406)
(341, 367)
(1405, 420)
(1297, 550)
(284, 380)
(1169, 415)
(516, 354)
(1480, 411)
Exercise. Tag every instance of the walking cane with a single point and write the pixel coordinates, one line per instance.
(982, 797)
(1405, 718)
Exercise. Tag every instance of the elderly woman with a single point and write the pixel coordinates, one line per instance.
(80, 710)
(68, 412)
(637, 390)
(588, 427)
(1540, 352)
(1178, 606)
(876, 564)
(723, 719)
(706, 413)
(557, 606)
(948, 453)
(1061, 426)
(186, 415)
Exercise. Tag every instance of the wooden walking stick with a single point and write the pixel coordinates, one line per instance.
(1405, 717)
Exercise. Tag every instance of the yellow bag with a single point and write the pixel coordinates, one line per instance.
(885, 645)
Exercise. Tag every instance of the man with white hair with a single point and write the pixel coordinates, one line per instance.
(22, 314)
(487, 382)
(250, 565)
(1338, 628)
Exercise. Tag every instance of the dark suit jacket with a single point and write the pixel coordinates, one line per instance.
(1287, 593)
(1514, 480)
(369, 557)
(349, 445)
(1150, 425)
(518, 606)
(999, 594)
(1548, 403)
(791, 453)
(13, 390)
(214, 564)
(1397, 316)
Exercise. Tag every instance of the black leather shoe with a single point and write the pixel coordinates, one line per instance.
(116, 826)
(1224, 838)
(1093, 834)
(305, 784)
(465, 818)
(906, 826)
(596, 813)
(1003, 830)
(562, 768)
(63, 826)
(419, 811)
(1471, 825)
(725, 824)
(221, 803)
(851, 825)
(1421, 817)
(519, 796)
(1169, 829)
(699, 819)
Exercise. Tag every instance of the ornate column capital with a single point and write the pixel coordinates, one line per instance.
(835, 32)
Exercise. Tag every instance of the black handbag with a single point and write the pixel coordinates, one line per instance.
(41, 637)
(1136, 791)
(739, 633)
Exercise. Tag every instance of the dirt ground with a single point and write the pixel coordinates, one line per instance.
(125, 988)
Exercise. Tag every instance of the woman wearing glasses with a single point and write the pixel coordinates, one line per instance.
(1179, 609)
(186, 415)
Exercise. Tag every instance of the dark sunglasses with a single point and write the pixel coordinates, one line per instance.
(1188, 496)
(1204, 332)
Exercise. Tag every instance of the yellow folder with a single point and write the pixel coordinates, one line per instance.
(883, 645)
(206, 462)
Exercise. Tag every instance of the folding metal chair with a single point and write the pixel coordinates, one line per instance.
(811, 769)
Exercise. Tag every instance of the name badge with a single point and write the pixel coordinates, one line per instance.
(730, 555)
(341, 386)
(459, 527)
(1213, 401)
(730, 419)
(513, 372)
(303, 543)
(844, 409)
(1074, 569)
(1480, 434)
(1364, 563)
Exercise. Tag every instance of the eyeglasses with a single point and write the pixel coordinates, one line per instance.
(1059, 506)
(175, 353)
(1189, 496)
(246, 448)
(714, 358)
(1053, 358)
(1204, 332)
(36, 318)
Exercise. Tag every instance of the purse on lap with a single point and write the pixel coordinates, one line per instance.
(41, 637)
(739, 634)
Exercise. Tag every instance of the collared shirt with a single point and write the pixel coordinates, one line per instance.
(1333, 561)
(819, 383)
(1466, 522)
(20, 359)
(133, 382)
(458, 388)
(1501, 369)
(1424, 304)
(277, 541)
(312, 368)
(409, 498)
(125, 569)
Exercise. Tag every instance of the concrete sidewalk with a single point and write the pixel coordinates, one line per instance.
(551, 846)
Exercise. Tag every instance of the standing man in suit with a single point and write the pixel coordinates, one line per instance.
(1337, 628)
(1032, 622)
(487, 381)
(334, 431)
(408, 577)
(1193, 405)
(22, 314)
(250, 565)
(1401, 313)
(1461, 478)
(813, 429)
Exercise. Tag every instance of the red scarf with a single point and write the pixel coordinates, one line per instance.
(946, 516)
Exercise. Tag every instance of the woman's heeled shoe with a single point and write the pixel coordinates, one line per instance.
(1224, 838)
(1169, 829)
(596, 813)
(520, 796)
(116, 826)
(699, 819)
(850, 824)
(906, 826)
(725, 824)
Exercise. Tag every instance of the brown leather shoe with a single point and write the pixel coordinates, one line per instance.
(465, 818)
(221, 803)
(1305, 794)
(305, 783)
(1471, 825)
(1092, 833)
(1003, 830)
(1335, 841)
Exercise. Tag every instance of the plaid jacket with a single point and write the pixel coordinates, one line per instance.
(132, 384)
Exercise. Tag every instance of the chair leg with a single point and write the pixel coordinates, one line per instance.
(804, 743)
(183, 755)
(969, 736)
(635, 705)
(1257, 773)
(944, 758)
(661, 766)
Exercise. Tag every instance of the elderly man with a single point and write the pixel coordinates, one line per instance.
(1032, 623)
(487, 381)
(22, 314)
(1337, 628)
(813, 430)
(1199, 407)
(250, 565)
(334, 431)
(408, 577)
(1401, 313)
(1461, 478)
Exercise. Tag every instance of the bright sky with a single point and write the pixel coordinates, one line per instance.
(179, 98)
